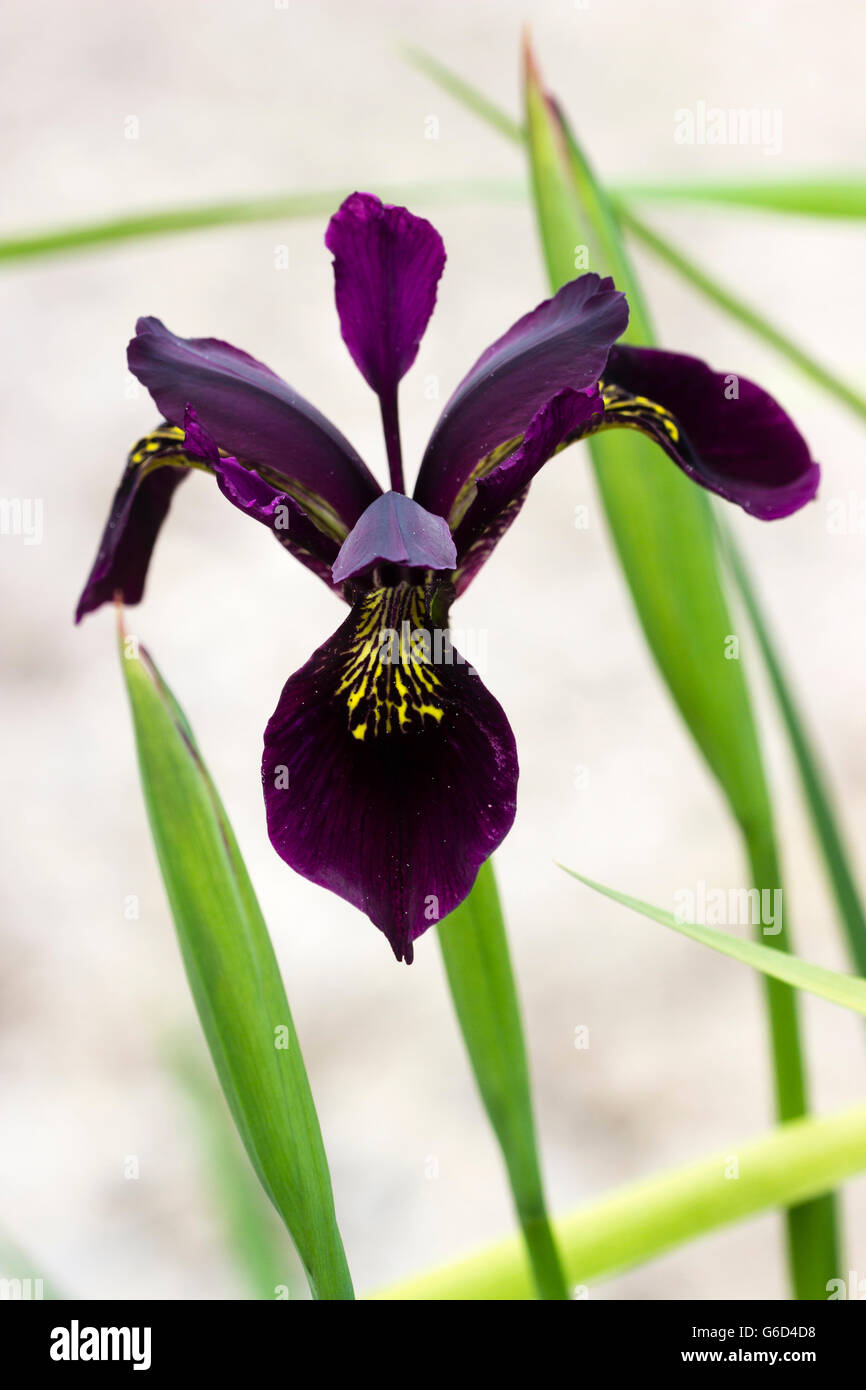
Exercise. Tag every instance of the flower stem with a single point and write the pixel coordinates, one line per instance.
(478, 966)
(391, 426)
(813, 1240)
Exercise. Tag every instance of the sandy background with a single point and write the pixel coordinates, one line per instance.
(235, 98)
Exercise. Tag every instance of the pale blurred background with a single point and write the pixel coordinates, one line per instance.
(235, 98)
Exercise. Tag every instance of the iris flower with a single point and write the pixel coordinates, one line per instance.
(389, 771)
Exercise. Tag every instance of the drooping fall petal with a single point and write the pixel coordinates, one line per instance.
(154, 469)
(389, 771)
(725, 432)
(253, 415)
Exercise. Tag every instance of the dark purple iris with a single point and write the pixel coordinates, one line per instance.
(389, 771)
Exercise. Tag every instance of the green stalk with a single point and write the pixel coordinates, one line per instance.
(663, 530)
(233, 975)
(813, 1242)
(481, 980)
(817, 795)
(791, 1165)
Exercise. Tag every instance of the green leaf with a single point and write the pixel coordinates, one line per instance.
(462, 91)
(580, 195)
(847, 990)
(743, 313)
(478, 966)
(792, 1165)
(234, 977)
(810, 197)
(816, 793)
(663, 530)
(87, 236)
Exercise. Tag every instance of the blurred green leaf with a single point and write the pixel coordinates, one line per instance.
(662, 526)
(818, 799)
(790, 1166)
(478, 966)
(847, 990)
(663, 529)
(256, 1240)
(738, 309)
(464, 92)
(815, 196)
(234, 977)
(608, 211)
(809, 197)
(88, 236)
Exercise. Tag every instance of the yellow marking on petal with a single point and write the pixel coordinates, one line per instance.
(388, 677)
(632, 411)
(466, 495)
(164, 445)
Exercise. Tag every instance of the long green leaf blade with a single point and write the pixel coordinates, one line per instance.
(808, 197)
(234, 977)
(478, 967)
(88, 236)
(676, 586)
(818, 799)
(790, 1166)
(743, 313)
(663, 530)
(847, 990)
(463, 92)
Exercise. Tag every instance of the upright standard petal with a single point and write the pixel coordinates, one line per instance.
(154, 468)
(395, 530)
(387, 264)
(563, 343)
(389, 771)
(253, 415)
(499, 494)
(725, 432)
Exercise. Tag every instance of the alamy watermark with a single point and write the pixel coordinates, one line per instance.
(734, 125)
(433, 647)
(24, 517)
(730, 907)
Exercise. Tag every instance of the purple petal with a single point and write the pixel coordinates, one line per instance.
(387, 264)
(252, 414)
(500, 494)
(256, 497)
(389, 781)
(725, 432)
(562, 343)
(137, 512)
(282, 515)
(395, 530)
